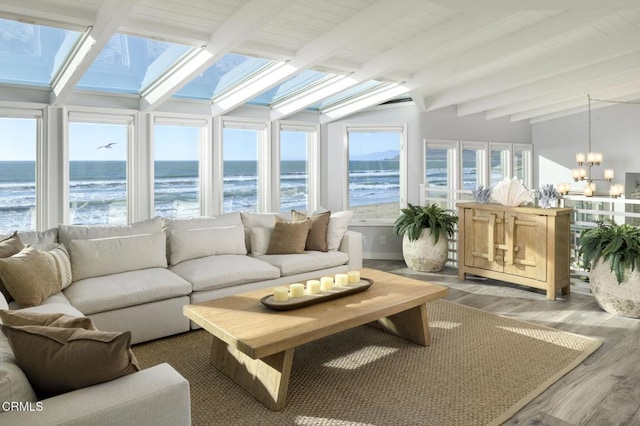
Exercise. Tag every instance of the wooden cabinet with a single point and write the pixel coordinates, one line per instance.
(522, 245)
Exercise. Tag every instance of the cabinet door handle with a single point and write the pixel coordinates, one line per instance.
(491, 238)
(512, 246)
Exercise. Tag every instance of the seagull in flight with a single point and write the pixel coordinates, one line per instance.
(108, 146)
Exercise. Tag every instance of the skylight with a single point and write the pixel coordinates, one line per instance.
(302, 81)
(230, 70)
(129, 64)
(353, 92)
(32, 54)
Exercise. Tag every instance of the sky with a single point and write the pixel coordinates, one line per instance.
(173, 143)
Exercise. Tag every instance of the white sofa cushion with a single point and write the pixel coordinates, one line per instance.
(66, 233)
(260, 238)
(257, 220)
(199, 222)
(14, 385)
(188, 244)
(219, 271)
(338, 224)
(104, 256)
(290, 264)
(106, 293)
(42, 240)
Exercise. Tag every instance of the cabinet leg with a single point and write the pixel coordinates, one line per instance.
(551, 294)
(566, 290)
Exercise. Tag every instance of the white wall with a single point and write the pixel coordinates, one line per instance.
(615, 131)
(441, 124)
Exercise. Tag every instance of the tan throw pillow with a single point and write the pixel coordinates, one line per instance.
(317, 238)
(30, 276)
(8, 247)
(20, 318)
(70, 358)
(289, 237)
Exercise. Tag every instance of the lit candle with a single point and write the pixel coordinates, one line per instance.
(341, 280)
(326, 283)
(280, 294)
(580, 157)
(354, 276)
(296, 290)
(313, 286)
(608, 174)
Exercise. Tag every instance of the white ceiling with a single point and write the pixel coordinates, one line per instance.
(525, 59)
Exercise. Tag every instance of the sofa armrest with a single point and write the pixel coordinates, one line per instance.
(352, 245)
(156, 396)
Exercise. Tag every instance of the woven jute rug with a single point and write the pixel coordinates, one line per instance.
(480, 369)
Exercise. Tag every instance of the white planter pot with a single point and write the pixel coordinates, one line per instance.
(618, 299)
(424, 254)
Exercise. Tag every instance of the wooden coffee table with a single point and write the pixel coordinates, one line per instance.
(254, 345)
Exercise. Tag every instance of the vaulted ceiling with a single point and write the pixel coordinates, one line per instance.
(525, 59)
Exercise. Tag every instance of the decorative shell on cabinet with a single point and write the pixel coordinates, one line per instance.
(511, 192)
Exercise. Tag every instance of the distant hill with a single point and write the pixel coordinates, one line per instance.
(391, 155)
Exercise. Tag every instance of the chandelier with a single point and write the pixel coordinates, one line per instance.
(587, 161)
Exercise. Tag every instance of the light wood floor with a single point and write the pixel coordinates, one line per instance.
(604, 390)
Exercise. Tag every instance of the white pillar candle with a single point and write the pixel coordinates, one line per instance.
(354, 276)
(296, 290)
(280, 294)
(326, 283)
(341, 280)
(313, 286)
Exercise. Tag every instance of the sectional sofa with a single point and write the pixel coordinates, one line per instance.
(138, 277)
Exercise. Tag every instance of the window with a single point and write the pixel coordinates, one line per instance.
(18, 174)
(522, 163)
(500, 167)
(376, 184)
(297, 180)
(176, 170)
(242, 177)
(473, 167)
(97, 172)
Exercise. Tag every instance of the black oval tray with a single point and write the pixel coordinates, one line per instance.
(312, 299)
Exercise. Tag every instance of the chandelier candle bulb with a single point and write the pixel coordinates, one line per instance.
(588, 192)
(313, 287)
(296, 290)
(326, 283)
(580, 158)
(354, 276)
(280, 294)
(341, 280)
(608, 174)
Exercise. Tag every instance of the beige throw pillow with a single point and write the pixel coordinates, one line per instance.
(8, 247)
(70, 358)
(317, 238)
(30, 276)
(289, 237)
(19, 318)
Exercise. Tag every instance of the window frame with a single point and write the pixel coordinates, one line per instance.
(41, 114)
(264, 166)
(204, 123)
(313, 149)
(403, 165)
(134, 176)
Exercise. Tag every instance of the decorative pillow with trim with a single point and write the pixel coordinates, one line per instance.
(8, 247)
(70, 358)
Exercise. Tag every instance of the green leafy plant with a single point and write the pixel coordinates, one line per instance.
(618, 244)
(414, 219)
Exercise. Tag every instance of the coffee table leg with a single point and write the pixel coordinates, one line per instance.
(267, 379)
(412, 325)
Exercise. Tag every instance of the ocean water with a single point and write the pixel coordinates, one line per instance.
(98, 189)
